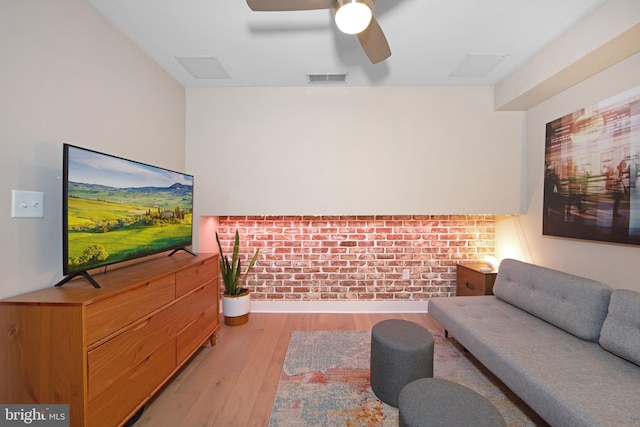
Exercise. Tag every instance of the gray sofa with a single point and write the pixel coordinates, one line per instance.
(566, 345)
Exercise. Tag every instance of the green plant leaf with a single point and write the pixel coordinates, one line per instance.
(231, 271)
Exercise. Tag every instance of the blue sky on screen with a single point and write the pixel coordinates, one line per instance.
(89, 167)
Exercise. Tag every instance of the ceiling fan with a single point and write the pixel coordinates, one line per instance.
(351, 16)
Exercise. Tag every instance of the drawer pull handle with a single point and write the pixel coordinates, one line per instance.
(470, 286)
(141, 364)
(142, 325)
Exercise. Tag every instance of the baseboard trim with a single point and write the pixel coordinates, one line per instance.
(339, 306)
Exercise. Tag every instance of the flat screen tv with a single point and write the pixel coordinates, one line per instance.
(116, 210)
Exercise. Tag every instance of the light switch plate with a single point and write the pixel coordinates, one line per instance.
(27, 204)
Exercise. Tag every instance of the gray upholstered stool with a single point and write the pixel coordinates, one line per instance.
(435, 402)
(401, 352)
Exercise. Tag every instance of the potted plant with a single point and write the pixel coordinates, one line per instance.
(236, 299)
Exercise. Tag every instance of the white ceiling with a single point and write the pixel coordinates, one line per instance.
(428, 39)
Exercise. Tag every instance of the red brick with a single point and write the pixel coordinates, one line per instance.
(358, 257)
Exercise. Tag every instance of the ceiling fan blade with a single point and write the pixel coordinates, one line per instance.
(283, 5)
(374, 42)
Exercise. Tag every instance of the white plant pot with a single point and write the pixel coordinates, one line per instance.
(236, 309)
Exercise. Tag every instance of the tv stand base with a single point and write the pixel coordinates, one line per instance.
(182, 249)
(83, 274)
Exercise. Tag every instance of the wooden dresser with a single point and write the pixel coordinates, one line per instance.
(106, 351)
(471, 280)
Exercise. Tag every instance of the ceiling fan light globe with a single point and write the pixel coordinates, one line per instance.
(353, 17)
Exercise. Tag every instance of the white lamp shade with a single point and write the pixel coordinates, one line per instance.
(353, 17)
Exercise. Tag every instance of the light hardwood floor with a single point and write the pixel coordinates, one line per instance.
(234, 382)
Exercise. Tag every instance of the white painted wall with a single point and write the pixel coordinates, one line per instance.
(521, 236)
(353, 151)
(67, 75)
(609, 34)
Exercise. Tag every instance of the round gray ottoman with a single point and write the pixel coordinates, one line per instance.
(401, 352)
(435, 402)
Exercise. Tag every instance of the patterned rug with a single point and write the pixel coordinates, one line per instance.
(325, 382)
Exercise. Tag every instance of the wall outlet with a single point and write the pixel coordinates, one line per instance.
(27, 204)
(405, 274)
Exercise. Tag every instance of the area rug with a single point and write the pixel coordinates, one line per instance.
(325, 382)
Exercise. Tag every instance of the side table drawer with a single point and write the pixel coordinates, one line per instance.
(468, 284)
(471, 281)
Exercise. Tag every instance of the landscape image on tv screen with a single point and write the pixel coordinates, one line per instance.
(118, 209)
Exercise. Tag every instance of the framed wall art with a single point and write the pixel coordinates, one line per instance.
(592, 163)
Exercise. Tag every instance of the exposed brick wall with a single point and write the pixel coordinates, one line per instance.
(357, 257)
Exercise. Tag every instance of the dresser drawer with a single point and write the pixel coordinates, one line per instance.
(116, 357)
(195, 275)
(196, 332)
(195, 303)
(116, 402)
(107, 316)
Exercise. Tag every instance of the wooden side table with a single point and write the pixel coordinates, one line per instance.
(471, 280)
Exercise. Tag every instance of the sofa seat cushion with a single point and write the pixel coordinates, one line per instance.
(621, 330)
(576, 304)
(566, 380)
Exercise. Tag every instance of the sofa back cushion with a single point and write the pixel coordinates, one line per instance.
(575, 304)
(621, 330)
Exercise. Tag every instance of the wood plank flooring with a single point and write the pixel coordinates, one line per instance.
(234, 382)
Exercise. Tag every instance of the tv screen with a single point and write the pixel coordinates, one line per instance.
(116, 210)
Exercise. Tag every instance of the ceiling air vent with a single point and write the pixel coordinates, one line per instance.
(316, 79)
